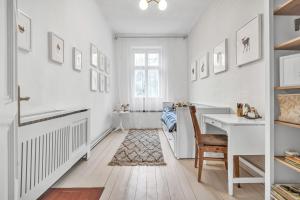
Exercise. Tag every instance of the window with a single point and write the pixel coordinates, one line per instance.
(147, 73)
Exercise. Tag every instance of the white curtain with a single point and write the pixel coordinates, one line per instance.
(173, 72)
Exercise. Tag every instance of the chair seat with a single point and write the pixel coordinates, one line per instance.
(214, 140)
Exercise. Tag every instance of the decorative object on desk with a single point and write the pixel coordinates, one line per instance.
(248, 42)
(94, 55)
(290, 70)
(101, 82)
(94, 80)
(194, 71)
(203, 66)
(56, 48)
(77, 59)
(24, 31)
(220, 57)
(124, 107)
(286, 191)
(252, 114)
(289, 106)
(239, 110)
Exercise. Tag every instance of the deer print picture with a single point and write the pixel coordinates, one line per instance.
(248, 42)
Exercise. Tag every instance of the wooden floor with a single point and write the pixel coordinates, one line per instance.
(177, 180)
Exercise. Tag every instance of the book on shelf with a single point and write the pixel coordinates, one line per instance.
(286, 191)
(293, 160)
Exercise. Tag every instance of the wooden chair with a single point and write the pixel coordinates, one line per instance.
(209, 143)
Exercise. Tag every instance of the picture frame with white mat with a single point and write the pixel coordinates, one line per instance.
(24, 31)
(220, 57)
(248, 41)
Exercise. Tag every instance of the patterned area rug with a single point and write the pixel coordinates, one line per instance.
(140, 147)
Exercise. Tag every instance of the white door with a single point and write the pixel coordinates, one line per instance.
(8, 101)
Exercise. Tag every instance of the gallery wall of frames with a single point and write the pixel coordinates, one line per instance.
(100, 64)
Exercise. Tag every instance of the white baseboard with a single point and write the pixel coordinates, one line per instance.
(101, 137)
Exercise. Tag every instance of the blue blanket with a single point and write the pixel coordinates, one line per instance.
(169, 118)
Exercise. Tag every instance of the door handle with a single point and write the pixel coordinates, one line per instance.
(19, 104)
(24, 98)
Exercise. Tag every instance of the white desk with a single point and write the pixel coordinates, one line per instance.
(245, 137)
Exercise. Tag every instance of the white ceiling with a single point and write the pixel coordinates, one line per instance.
(125, 16)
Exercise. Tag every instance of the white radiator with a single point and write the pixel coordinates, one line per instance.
(48, 149)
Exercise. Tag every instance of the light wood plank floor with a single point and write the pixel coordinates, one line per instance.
(177, 180)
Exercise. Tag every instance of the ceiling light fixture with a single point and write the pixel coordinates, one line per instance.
(162, 4)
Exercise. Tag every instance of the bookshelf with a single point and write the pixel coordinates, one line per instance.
(282, 123)
(283, 135)
(290, 7)
(287, 88)
(293, 44)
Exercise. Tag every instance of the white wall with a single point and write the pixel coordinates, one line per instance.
(239, 84)
(174, 57)
(50, 85)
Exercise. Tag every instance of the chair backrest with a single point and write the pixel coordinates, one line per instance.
(196, 126)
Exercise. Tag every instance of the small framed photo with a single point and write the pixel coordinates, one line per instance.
(94, 55)
(194, 71)
(220, 57)
(203, 66)
(77, 59)
(107, 66)
(107, 84)
(102, 61)
(56, 48)
(102, 82)
(94, 80)
(24, 31)
(248, 42)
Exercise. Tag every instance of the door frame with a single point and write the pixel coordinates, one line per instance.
(8, 101)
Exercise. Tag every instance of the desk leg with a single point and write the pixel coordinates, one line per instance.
(230, 173)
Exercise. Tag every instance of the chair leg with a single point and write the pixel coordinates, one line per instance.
(226, 161)
(196, 155)
(200, 158)
(237, 167)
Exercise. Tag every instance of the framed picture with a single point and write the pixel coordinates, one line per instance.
(107, 66)
(77, 59)
(24, 31)
(102, 82)
(56, 48)
(94, 80)
(203, 66)
(94, 55)
(194, 71)
(107, 84)
(248, 42)
(220, 57)
(102, 61)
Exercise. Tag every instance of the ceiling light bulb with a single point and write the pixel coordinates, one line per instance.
(143, 4)
(162, 5)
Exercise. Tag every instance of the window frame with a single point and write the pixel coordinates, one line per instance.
(146, 68)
